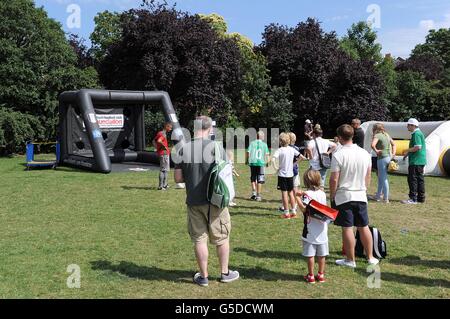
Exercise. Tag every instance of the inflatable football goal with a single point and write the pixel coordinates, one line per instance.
(100, 127)
(437, 138)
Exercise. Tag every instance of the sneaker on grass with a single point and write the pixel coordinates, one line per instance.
(231, 276)
(346, 263)
(310, 279)
(199, 280)
(320, 277)
(409, 202)
(373, 261)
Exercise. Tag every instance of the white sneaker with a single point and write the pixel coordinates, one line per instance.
(373, 261)
(346, 263)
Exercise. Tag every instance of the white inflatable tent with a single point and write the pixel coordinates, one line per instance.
(437, 138)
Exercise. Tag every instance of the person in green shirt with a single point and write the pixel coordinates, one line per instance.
(417, 155)
(257, 157)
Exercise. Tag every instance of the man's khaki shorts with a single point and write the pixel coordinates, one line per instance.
(218, 231)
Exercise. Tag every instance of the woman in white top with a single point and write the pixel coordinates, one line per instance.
(316, 147)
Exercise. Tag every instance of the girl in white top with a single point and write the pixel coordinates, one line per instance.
(316, 241)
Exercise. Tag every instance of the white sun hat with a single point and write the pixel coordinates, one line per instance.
(413, 122)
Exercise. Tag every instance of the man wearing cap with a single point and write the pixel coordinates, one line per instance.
(417, 161)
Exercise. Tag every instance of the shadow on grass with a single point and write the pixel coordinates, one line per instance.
(266, 215)
(417, 261)
(256, 208)
(408, 280)
(143, 188)
(259, 273)
(132, 270)
(269, 254)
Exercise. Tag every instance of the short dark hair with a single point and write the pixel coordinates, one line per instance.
(345, 132)
(206, 122)
(318, 132)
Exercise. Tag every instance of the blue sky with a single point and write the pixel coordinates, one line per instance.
(403, 23)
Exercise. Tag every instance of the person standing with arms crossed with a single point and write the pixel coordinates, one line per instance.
(349, 180)
(257, 157)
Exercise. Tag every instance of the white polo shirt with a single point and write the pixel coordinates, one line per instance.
(352, 162)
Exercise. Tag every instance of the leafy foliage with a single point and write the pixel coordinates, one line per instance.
(36, 64)
(327, 85)
(426, 63)
(360, 43)
(163, 49)
(107, 31)
(16, 129)
(437, 43)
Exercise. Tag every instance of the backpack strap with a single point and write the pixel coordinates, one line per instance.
(375, 234)
(320, 155)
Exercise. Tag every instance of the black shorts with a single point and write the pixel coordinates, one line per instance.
(257, 174)
(352, 214)
(285, 184)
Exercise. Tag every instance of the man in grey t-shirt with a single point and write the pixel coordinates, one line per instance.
(196, 160)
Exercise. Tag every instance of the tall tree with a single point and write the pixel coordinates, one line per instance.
(425, 63)
(36, 64)
(361, 43)
(163, 49)
(437, 43)
(326, 84)
(107, 31)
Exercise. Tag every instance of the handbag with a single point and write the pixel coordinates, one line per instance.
(324, 158)
(393, 166)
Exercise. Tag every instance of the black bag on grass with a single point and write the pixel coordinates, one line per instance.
(379, 245)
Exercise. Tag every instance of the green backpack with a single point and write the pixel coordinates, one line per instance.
(220, 184)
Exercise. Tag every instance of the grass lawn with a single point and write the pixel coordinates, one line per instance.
(131, 241)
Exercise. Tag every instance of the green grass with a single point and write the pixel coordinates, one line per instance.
(131, 241)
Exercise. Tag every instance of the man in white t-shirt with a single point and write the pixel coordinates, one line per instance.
(349, 180)
(316, 147)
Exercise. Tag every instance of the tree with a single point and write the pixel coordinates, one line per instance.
(437, 43)
(84, 55)
(255, 84)
(107, 32)
(425, 63)
(163, 49)
(217, 22)
(277, 110)
(326, 84)
(360, 43)
(36, 64)
(411, 101)
(387, 70)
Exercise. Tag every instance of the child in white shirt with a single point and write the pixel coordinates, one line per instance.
(283, 160)
(316, 241)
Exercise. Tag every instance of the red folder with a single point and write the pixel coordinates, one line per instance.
(318, 210)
